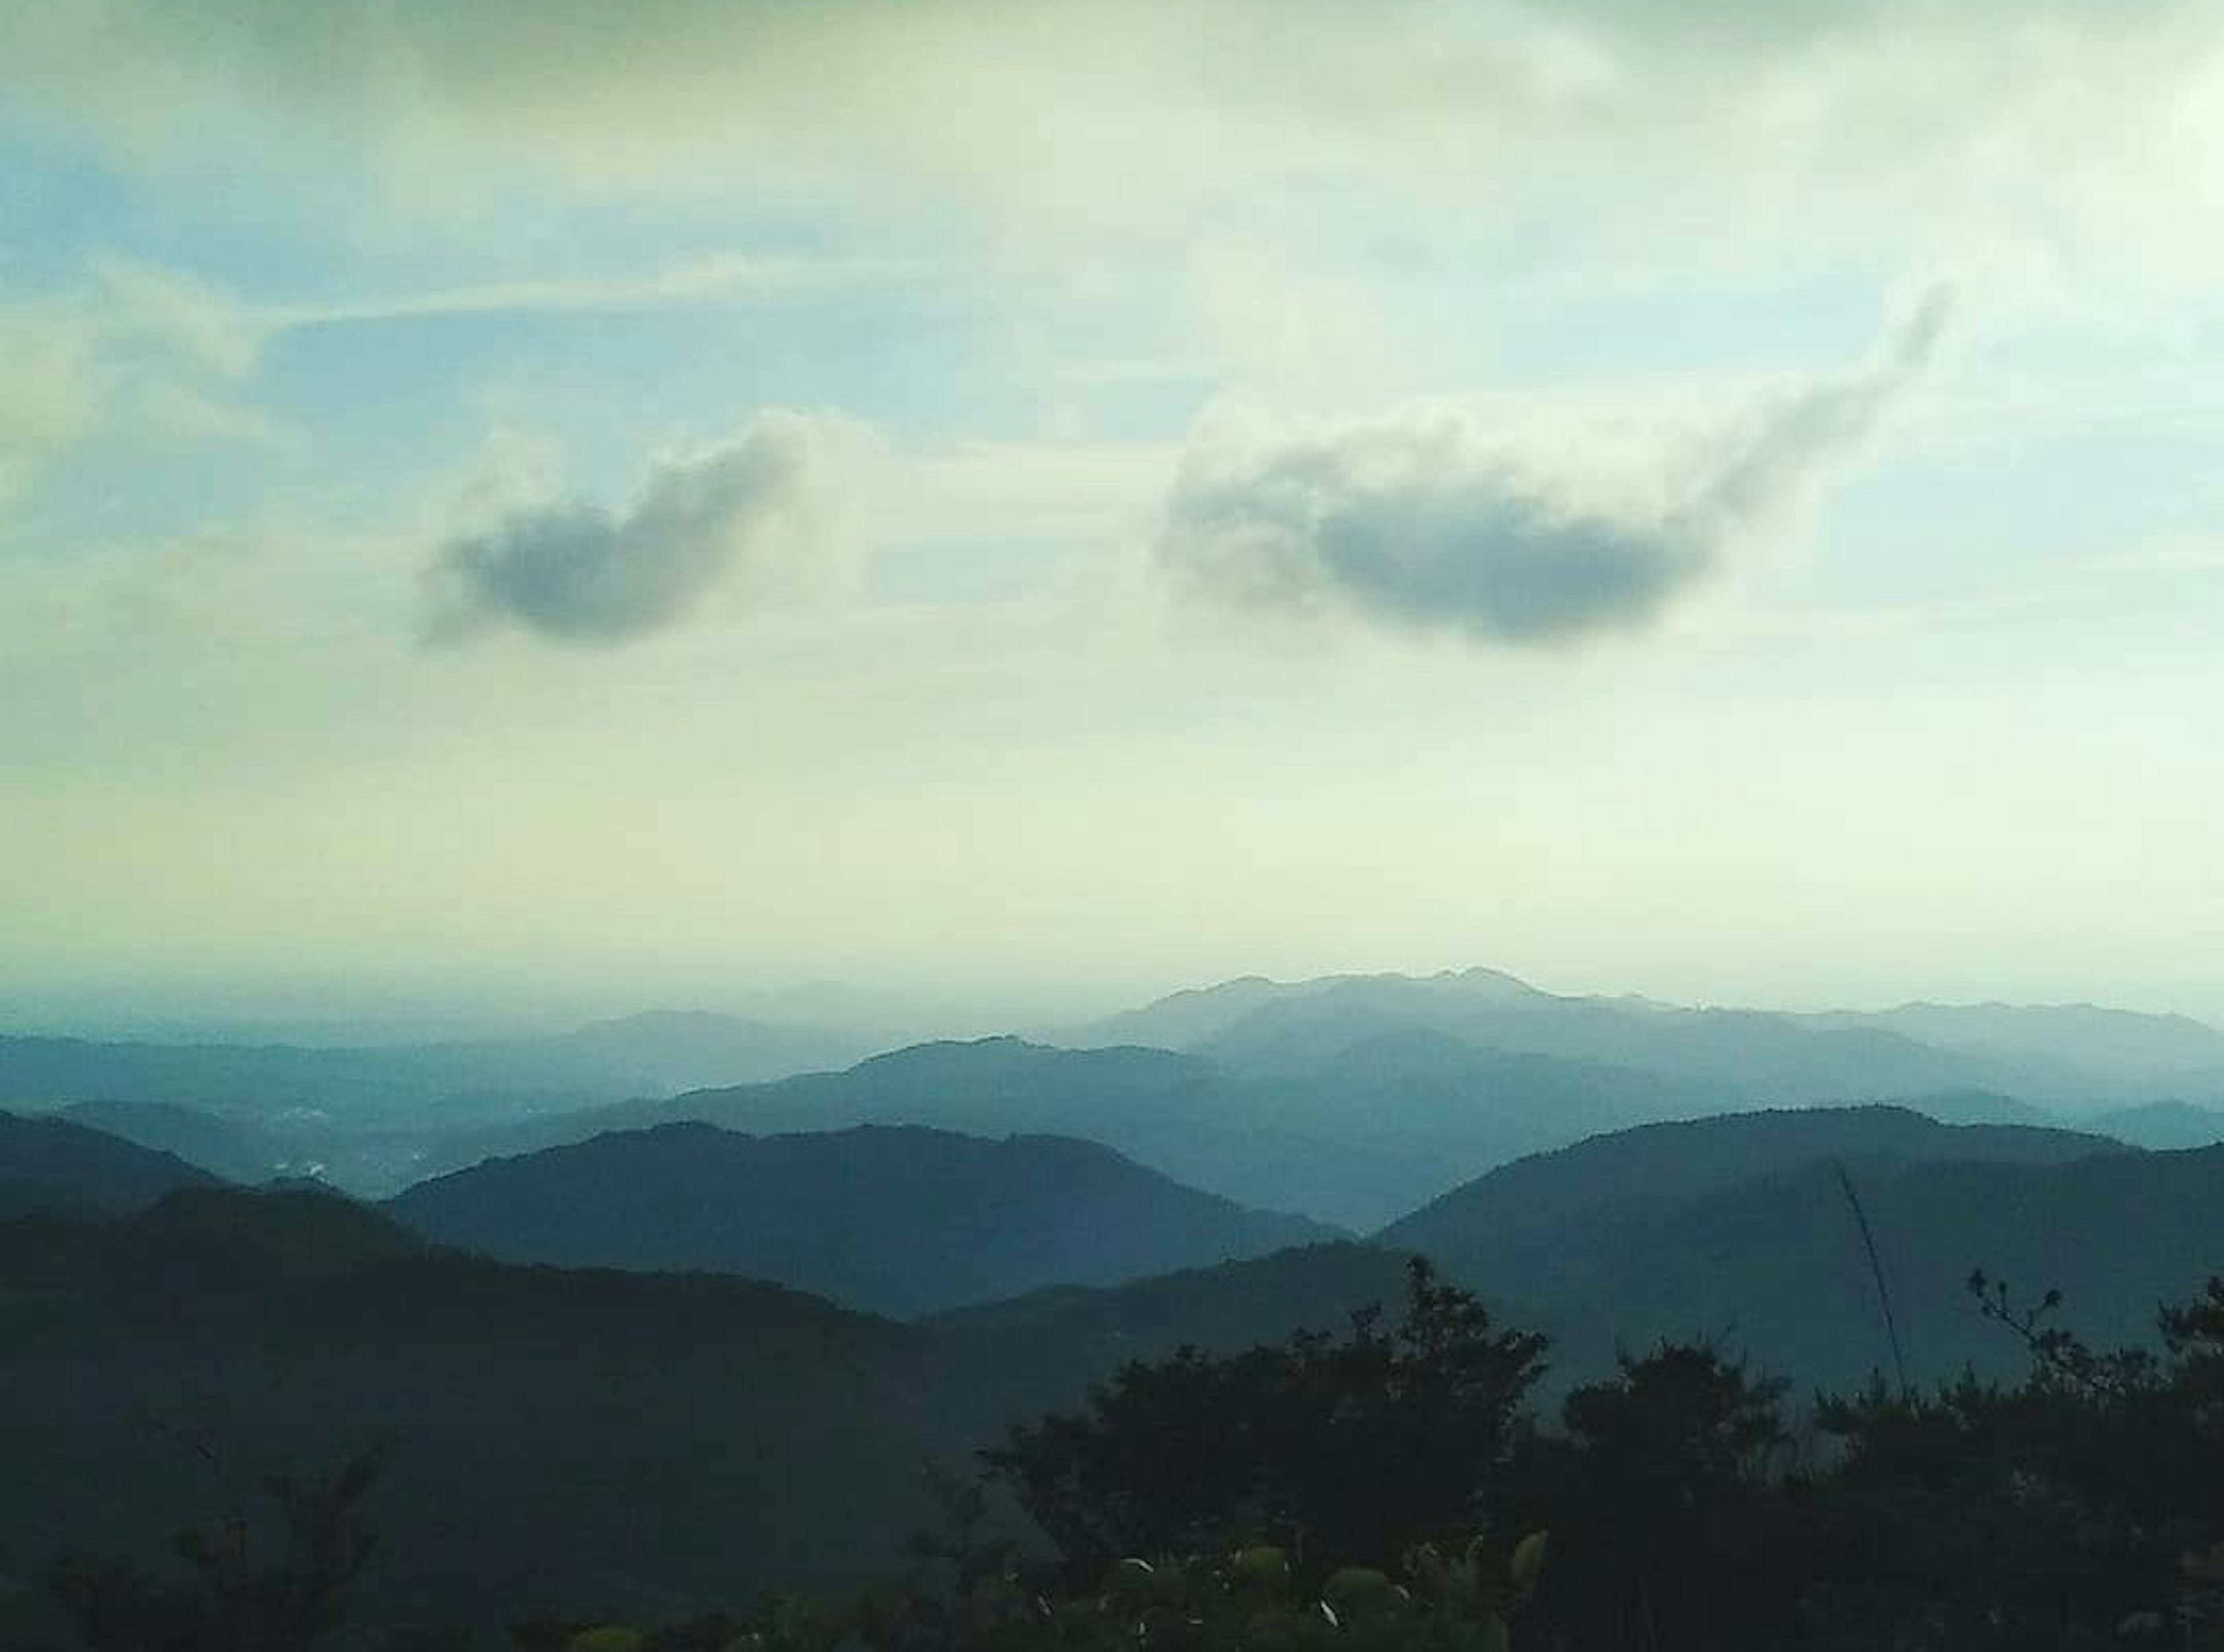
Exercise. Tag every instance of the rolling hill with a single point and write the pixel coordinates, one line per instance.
(894, 1219)
(1740, 1226)
(1380, 1127)
(53, 1165)
(599, 1442)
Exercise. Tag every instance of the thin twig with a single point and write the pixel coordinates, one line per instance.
(1876, 1272)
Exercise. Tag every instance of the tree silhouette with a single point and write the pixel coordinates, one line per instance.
(232, 1599)
(1346, 1450)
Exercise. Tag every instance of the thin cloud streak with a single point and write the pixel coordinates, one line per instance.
(700, 281)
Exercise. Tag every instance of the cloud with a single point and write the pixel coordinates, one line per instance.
(1417, 522)
(1631, 121)
(708, 280)
(47, 398)
(755, 511)
(128, 352)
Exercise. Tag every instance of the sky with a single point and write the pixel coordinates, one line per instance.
(517, 504)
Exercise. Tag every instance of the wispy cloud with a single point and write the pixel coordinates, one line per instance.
(710, 279)
(752, 512)
(1416, 523)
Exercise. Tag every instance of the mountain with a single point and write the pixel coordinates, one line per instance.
(894, 1219)
(1780, 1263)
(1742, 1224)
(1188, 1019)
(51, 1164)
(2064, 1054)
(411, 1083)
(2162, 1124)
(589, 1442)
(1380, 1126)
(990, 1087)
(1553, 1212)
(236, 1151)
(668, 1050)
(1989, 1107)
(1742, 1053)
(367, 1118)
(1008, 1361)
(2114, 1048)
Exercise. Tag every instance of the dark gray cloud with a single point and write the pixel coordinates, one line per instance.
(580, 573)
(1410, 523)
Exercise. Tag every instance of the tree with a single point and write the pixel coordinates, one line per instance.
(1675, 1518)
(1348, 1450)
(2048, 1515)
(233, 1599)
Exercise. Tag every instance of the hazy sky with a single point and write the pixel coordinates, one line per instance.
(543, 499)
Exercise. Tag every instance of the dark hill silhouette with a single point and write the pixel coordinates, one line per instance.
(1568, 1199)
(1781, 1259)
(236, 1151)
(1741, 1222)
(1006, 1361)
(51, 1164)
(896, 1219)
(591, 1441)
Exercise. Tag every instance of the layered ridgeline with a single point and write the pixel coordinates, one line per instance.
(365, 1114)
(2071, 1054)
(897, 1219)
(1735, 1229)
(55, 1166)
(1355, 1099)
(624, 1441)
(1351, 1099)
(1380, 1128)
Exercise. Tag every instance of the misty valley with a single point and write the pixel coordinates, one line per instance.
(1269, 1314)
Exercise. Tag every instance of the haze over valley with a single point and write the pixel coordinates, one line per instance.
(1111, 826)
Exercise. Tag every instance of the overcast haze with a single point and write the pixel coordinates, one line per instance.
(562, 502)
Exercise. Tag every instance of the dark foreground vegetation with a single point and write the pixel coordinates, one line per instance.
(1390, 1488)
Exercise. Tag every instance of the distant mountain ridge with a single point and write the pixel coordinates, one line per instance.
(53, 1165)
(893, 1219)
(2077, 1054)
(382, 1084)
(1380, 1127)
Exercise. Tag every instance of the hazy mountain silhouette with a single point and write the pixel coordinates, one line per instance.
(1192, 1017)
(1382, 1125)
(2112, 1048)
(51, 1164)
(895, 1219)
(414, 1085)
(367, 1118)
(2160, 1124)
(2067, 1053)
